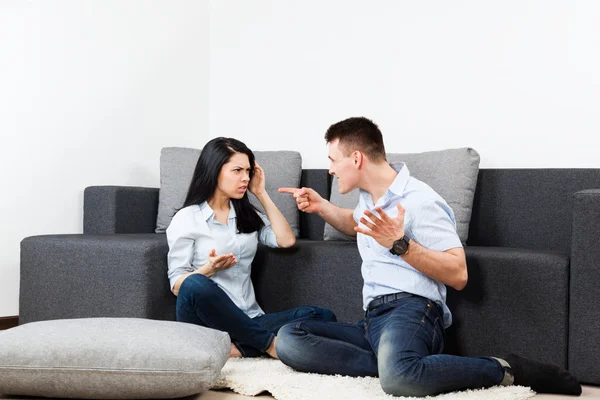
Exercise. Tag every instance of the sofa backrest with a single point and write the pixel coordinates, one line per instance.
(311, 225)
(522, 208)
(527, 208)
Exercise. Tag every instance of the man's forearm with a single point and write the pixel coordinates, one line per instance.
(340, 218)
(448, 267)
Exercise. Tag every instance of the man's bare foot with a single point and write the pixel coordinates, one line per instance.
(271, 350)
(235, 353)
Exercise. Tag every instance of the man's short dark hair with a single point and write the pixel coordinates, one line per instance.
(358, 133)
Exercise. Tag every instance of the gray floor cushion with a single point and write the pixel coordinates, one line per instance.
(116, 358)
(451, 173)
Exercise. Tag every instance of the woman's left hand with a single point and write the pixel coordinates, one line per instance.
(257, 183)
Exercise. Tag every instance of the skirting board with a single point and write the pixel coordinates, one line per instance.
(8, 322)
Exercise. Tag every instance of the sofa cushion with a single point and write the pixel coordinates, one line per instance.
(177, 164)
(506, 298)
(117, 358)
(451, 173)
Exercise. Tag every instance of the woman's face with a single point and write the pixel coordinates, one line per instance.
(234, 176)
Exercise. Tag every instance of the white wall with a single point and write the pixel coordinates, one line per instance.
(90, 91)
(89, 94)
(517, 80)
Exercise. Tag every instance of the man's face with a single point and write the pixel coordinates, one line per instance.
(343, 168)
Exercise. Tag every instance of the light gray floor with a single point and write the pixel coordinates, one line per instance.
(589, 393)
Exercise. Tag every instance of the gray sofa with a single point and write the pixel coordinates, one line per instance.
(533, 260)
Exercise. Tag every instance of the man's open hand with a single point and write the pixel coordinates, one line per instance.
(383, 228)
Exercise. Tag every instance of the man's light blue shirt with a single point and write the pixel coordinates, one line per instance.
(192, 234)
(428, 220)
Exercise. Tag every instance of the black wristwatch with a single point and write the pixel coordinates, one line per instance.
(400, 246)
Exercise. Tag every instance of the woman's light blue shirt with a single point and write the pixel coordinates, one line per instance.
(192, 234)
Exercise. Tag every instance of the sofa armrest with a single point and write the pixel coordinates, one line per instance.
(516, 300)
(313, 272)
(584, 318)
(119, 209)
(79, 276)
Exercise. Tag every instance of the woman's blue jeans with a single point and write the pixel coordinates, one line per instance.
(200, 301)
(399, 341)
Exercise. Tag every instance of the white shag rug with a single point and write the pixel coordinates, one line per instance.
(252, 376)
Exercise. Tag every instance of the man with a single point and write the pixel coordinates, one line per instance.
(406, 236)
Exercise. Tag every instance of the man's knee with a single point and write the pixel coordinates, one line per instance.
(289, 344)
(287, 337)
(402, 385)
(403, 379)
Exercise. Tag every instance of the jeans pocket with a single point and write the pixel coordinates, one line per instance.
(437, 339)
(432, 315)
(382, 309)
(431, 318)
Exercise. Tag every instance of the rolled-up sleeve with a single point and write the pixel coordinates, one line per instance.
(181, 239)
(266, 235)
(435, 227)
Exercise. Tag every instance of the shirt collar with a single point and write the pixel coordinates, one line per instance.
(399, 183)
(208, 213)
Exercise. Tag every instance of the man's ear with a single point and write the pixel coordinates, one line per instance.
(358, 159)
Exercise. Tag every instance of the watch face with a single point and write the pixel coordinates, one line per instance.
(400, 247)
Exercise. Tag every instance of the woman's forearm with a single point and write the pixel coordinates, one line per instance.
(204, 270)
(281, 228)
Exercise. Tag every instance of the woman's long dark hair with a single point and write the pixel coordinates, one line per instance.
(214, 155)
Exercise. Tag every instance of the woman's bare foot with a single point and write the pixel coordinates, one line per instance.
(271, 350)
(235, 353)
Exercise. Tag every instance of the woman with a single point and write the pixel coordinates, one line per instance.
(212, 242)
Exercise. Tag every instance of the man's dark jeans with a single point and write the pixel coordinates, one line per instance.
(200, 301)
(399, 341)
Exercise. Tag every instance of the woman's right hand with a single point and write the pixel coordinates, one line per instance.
(215, 264)
(218, 263)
